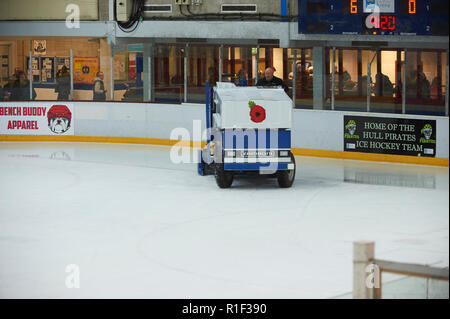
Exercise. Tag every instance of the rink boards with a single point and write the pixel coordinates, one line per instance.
(314, 132)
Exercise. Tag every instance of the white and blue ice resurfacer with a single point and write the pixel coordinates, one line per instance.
(248, 133)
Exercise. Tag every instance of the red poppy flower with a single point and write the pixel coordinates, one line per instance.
(257, 112)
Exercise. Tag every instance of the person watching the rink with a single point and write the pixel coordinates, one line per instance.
(270, 80)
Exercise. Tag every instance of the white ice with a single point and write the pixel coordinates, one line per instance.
(139, 226)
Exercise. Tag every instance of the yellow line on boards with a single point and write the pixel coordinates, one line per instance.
(372, 157)
(161, 141)
(99, 139)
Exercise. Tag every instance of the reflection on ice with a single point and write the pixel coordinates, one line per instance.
(60, 155)
(389, 178)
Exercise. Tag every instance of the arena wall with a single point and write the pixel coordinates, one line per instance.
(314, 133)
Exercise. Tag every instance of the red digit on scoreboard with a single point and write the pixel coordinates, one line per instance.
(383, 20)
(393, 23)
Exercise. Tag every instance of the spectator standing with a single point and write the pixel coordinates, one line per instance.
(21, 90)
(383, 85)
(8, 88)
(63, 84)
(99, 87)
(212, 78)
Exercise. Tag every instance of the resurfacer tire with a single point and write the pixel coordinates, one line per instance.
(224, 179)
(286, 178)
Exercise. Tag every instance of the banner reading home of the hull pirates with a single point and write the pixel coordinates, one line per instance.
(36, 118)
(388, 135)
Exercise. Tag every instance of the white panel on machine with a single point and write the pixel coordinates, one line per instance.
(252, 107)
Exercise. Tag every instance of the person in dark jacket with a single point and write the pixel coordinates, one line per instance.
(270, 80)
(383, 85)
(8, 88)
(99, 88)
(21, 91)
(63, 84)
(241, 79)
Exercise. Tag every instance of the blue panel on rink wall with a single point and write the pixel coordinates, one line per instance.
(251, 139)
(255, 166)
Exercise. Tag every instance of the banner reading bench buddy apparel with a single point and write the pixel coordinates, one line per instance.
(36, 118)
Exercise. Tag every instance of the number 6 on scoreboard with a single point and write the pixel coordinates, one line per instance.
(353, 6)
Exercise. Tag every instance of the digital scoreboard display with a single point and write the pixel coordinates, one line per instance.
(374, 17)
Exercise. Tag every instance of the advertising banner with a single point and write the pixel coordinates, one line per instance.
(132, 66)
(47, 70)
(84, 70)
(379, 6)
(35, 67)
(120, 66)
(4, 67)
(62, 61)
(36, 118)
(386, 135)
(139, 47)
(39, 47)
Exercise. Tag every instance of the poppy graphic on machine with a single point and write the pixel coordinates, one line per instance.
(257, 112)
(59, 118)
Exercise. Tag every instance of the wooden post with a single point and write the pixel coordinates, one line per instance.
(363, 255)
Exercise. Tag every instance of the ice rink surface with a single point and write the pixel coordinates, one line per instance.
(139, 226)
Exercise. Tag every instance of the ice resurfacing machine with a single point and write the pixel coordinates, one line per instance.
(248, 132)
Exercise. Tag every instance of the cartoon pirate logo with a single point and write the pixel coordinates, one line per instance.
(59, 118)
(351, 127)
(427, 131)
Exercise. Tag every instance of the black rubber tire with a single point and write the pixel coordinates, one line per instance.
(224, 179)
(201, 165)
(286, 178)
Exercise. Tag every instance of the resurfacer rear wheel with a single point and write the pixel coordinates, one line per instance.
(224, 179)
(286, 178)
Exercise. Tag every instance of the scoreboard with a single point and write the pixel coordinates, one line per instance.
(373, 17)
